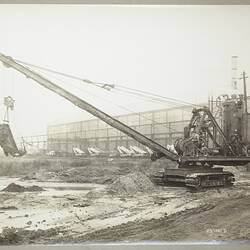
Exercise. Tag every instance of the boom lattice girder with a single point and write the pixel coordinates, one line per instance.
(10, 62)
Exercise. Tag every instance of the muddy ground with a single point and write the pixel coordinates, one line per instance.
(82, 200)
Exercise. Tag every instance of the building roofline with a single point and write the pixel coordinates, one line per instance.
(127, 114)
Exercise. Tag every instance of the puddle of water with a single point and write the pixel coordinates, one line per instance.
(38, 211)
(53, 188)
(4, 181)
(64, 192)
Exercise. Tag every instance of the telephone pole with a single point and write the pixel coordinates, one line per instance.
(245, 89)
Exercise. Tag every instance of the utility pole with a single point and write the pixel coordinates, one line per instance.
(245, 102)
(245, 89)
(212, 104)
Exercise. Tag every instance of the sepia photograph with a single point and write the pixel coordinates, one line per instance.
(124, 124)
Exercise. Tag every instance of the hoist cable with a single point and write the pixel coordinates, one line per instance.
(110, 86)
(154, 100)
(104, 99)
(98, 84)
(157, 96)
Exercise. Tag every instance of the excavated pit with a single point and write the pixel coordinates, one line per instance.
(96, 200)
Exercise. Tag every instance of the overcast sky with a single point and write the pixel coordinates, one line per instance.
(178, 52)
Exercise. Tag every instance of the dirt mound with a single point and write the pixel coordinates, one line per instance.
(8, 208)
(131, 184)
(12, 187)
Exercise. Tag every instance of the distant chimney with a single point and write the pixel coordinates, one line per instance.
(234, 72)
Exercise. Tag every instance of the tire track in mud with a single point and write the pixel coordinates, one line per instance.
(130, 230)
(224, 220)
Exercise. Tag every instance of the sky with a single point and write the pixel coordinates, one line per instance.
(181, 52)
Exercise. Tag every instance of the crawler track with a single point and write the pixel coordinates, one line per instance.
(194, 179)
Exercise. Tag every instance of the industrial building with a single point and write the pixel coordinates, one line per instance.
(164, 126)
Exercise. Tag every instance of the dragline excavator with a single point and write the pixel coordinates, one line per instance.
(205, 145)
